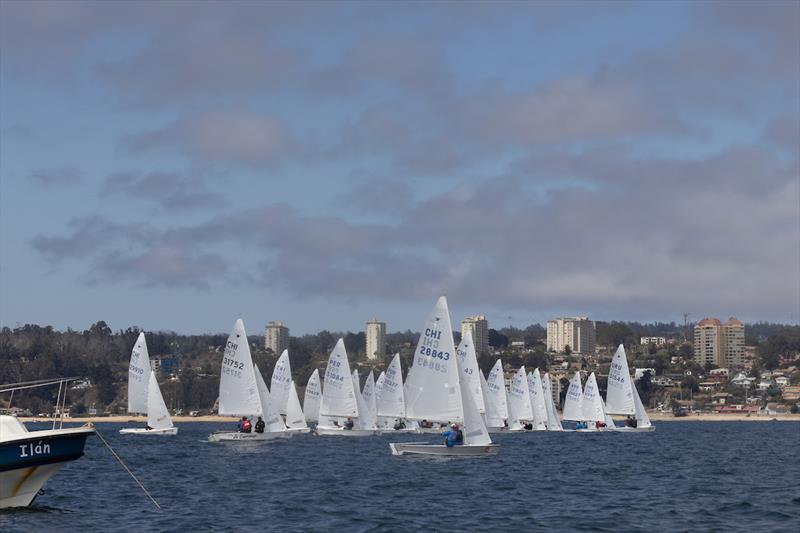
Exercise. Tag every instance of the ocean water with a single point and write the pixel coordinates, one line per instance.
(687, 476)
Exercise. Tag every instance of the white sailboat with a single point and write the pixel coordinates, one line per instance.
(537, 401)
(366, 419)
(468, 361)
(368, 393)
(436, 392)
(338, 397)
(519, 402)
(238, 389)
(497, 397)
(295, 418)
(144, 395)
(312, 397)
(281, 382)
(492, 418)
(592, 405)
(390, 400)
(622, 397)
(553, 423)
(573, 403)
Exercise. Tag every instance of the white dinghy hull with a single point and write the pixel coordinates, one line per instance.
(236, 436)
(626, 429)
(341, 432)
(144, 431)
(293, 431)
(460, 450)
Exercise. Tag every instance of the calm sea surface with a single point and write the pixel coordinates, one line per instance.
(687, 476)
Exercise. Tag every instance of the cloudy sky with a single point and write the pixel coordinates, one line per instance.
(178, 165)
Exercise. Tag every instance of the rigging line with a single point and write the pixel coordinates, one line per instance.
(127, 469)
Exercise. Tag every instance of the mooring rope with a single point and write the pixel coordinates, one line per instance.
(127, 469)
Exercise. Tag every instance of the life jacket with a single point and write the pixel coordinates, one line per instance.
(460, 437)
(246, 427)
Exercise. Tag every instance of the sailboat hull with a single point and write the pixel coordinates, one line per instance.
(144, 431)
(625, 429)
(341, 432)
(462, 450)
(294, 431)
(236, 436)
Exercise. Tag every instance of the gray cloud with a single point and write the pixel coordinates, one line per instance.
(230, 137)
(169, 190)
(55, 177)
(666, 243)
(378, 196)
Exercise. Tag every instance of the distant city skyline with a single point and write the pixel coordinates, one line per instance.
(178, 165)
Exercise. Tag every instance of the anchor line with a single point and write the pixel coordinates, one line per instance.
(128, 470)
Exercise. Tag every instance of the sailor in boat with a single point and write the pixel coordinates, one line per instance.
(528, 426)
(425, 424)
(399, 424)
(349, 424)
(581, 425)
(453, 436)
(260, 425)
(245, 426)
(630, 422)
(599, 424)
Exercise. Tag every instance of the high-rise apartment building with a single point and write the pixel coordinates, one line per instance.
(719, 344)
(276, 337)
(376, 339)
(479, 327)
(576, 332)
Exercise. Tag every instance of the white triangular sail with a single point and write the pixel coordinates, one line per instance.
(369, 395)
(294, 412)
(157, 414)
(238, 394)
(391, 401)
(573, 403)
(475, 432)
(553, 423)
(496, 389)
(537, 400)
(592, 403)
(519, 399)
(432, 384)
(138, 376)
(619, 398)
(269, 407)
(492, 414)
(312, 397)
(642, 420)
(338, 394)
(468, 362)
(281, 381)
(365, 418)
(609, 421)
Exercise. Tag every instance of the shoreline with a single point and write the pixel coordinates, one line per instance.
(655, 417)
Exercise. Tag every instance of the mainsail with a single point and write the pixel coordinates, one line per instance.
(238, 394)
(281, 381)
(619, 398)
(391, 401)
(432, 385)
(338, 395)
(313, 397)
(496, 389)
(519, 398)
(573, 403)
(138, 376)
(468, 363)
(592, 403)
(553, 423)
(537, 400)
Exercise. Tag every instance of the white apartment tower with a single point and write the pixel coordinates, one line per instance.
(479, 327)
(577, 332)
(376, 339)
(719, 344)
(276, 337)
